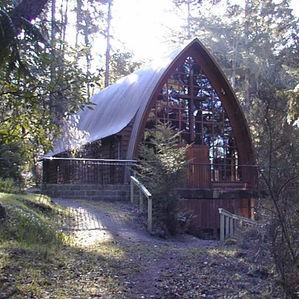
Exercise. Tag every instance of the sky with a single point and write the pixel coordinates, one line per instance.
(141, 24)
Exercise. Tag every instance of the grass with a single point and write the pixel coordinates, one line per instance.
(38, 260)
(31, 221)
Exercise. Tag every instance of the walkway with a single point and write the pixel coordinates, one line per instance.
(151, 267)
(100, 221)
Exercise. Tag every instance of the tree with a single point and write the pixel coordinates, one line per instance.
(89, 26)
(108, 43)
(14, 19)
(122, 64)
(162, 168)
(41, 84)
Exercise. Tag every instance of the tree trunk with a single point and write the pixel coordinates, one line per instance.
(108, 46)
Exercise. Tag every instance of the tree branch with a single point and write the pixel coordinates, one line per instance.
(27, 10)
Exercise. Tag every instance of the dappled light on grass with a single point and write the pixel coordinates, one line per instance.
(30, 221)
(69, 272)
(226, 251)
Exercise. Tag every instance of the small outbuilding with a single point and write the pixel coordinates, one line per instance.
(189, 91)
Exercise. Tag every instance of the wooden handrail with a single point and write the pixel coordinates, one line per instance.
(143, 190)
(236, 217)
(228, 223)
(140, 186)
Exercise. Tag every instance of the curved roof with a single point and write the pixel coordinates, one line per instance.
(116, 105)
(133, 96)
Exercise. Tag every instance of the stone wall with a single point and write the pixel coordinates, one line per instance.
(87, 191)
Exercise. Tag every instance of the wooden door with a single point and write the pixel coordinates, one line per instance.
(199, 174)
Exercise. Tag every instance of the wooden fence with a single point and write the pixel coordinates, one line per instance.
(229, 223)
(85, 171)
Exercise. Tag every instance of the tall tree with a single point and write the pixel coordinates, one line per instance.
(122, 64)
(89, 26)
(108, 42)
(41, 83)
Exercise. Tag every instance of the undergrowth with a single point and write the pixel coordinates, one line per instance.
(8, 185)
(30, 221)
(38, 260)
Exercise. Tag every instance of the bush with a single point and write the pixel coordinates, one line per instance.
(8, 186)
(11, 161)
(162, 167)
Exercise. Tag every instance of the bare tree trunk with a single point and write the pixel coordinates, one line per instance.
(188, 20)
(247, 75)
(88, 59)
(78, 21)
(108, 47)
(234, 63)
(64, 23)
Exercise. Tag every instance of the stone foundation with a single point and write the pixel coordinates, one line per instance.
(87, 191)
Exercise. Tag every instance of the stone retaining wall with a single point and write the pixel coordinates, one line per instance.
(88, 191)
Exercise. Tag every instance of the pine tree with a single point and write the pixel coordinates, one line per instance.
(162, 170)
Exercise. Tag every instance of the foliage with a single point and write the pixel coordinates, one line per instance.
(162, 166)
(30, 221)
(41, 84)
(122, 64)
(10, 161)
(16, 16)
(257, 47)
(7, 185)
(278, 146)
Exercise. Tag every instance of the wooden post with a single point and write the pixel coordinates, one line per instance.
(143, 192)
(228, 223)
(131, 190)
(149, 214)
(226, 226)
(221, 227)
(231, 227)
(140, 201)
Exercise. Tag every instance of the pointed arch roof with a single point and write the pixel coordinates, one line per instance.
(130, 97)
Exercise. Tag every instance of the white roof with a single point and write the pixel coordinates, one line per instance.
(115, 106)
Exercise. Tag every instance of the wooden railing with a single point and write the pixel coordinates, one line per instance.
(229, 222)
(85, 171)
(142, 192)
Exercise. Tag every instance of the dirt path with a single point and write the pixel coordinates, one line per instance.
(100, 221)
(182, 267)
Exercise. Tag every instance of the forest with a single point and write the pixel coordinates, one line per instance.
(50, 67)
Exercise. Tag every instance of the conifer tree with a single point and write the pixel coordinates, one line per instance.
(162, 170)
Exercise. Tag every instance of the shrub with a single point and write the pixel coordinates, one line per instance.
(162, 168)
(8, 186)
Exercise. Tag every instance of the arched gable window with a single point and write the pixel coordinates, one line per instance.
(188, 101)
